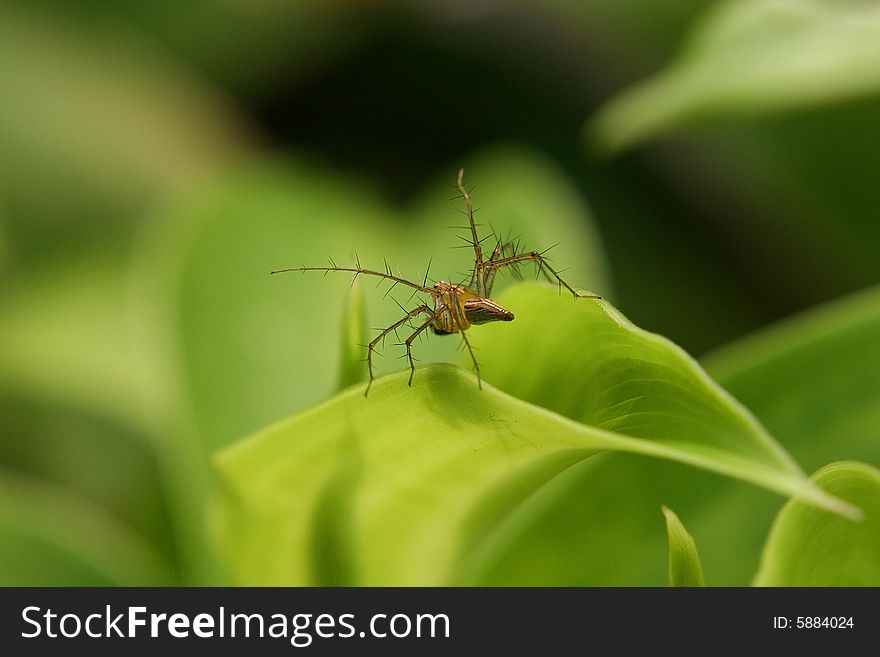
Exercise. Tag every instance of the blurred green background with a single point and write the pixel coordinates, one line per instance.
(157, 160)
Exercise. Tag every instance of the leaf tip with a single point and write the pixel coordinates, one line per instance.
(832, 503)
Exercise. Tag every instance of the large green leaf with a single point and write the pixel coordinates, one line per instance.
(808, 547)
(817, 418)
(632, 488)
(754, 56)
(410, 485)
(592, 365)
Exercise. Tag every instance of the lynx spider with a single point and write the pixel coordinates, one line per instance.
(456, 306)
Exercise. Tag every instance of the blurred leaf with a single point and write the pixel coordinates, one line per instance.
(69, 381)
(754, 56)
(808, 547)
(792, 232)
(631, 36)
(49, 537)
(684, 561)
(105, 462)
(64, 337)
(4, 246)
(256, 348)
(814, 380)
(352, 368)
(95, 397)
(432, 472)
(255, 47)
(99, 117)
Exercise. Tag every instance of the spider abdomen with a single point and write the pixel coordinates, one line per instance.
(462, 308)
(481, 311)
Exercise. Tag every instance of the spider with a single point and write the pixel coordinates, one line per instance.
(456, 306)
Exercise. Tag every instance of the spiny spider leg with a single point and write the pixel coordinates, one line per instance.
(456, 311)
(357, 271)
(501, 249)
(469, 207)
(371, 347)
(478, 276)
(541, 262)
(497, 255)
(408, 342)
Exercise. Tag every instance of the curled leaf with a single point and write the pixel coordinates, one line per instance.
(810, 547)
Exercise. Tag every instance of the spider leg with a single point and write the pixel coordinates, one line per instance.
(371, 347)
(357, 271)
(543, 267)
(503, 250)
(473, 359)
(469, 208)
(408, 342)
(475, 241)
(460, 321)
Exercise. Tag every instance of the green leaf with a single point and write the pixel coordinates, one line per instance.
(753, 56)
(50, 537)
(409, 485)
(4, 244)
(397, 473)
(773, 372)
(77, 356)
(352, 368)
(596, 524)
(578, 541)
(284, 41)
(592, 365)
(819, 418)
(69, 383)
(92, 457)
(98, 114)
(64, 337)
(808, 547)
(684, 561)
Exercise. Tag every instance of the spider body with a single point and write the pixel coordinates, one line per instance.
(456, 306)
(461, 307)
